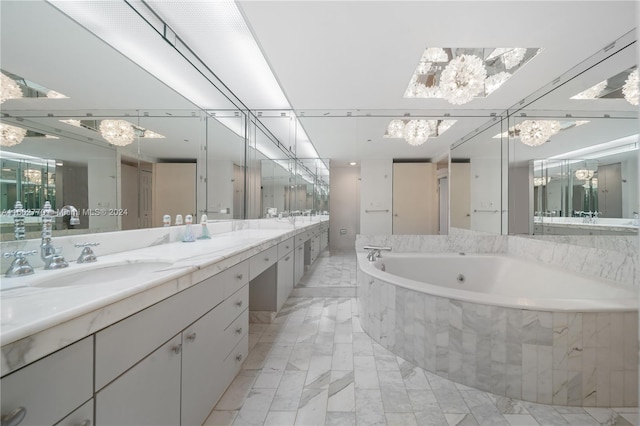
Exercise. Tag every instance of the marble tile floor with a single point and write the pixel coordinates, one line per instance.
(337, 269)
(314, 365)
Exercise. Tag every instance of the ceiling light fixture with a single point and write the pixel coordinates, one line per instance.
(460, 74)
(395, 129)
(11, 135)
(584, 174)
(9, 89)
(416, 132)
(117, 132)
(537, 132)
(630, 88)
(463, 79)
(541, 181)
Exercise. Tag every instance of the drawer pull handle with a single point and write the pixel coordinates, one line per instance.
(14, 417)
(286, 247)
(239, 330)
(266, 259)
(286, 258)
(239, 303)
(176, 349)
(191, 337)
(239, 276)
(239, 357)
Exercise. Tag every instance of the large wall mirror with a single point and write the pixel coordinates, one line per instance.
(573, 153)
(164, 155)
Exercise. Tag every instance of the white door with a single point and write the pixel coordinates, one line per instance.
(443, 192)
(146, 190)
(415, 199)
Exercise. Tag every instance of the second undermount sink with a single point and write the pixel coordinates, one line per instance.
(98, 274)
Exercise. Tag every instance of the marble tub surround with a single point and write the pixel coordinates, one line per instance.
(38, 321)
(616, 261)
(560, 358)
(435, 243)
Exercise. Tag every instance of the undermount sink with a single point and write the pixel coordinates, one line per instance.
(99, 274)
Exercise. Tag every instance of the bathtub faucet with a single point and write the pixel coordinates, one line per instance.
(374, 252)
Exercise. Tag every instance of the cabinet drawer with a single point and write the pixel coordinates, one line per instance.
(234, 278)
(285, 247)
(235, 332)
(261, 261)
(233, 362)
(53, 387)
(300, 238)
(121, 345)
(234, 305)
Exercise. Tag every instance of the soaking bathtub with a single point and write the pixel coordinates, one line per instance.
(505, 325)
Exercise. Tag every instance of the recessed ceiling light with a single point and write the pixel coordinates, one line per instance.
(353, 163)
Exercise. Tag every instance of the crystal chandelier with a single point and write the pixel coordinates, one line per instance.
(117, 132)
(541, 181)
(9, 88)
(630, 88)
(584, 174)
(395, 129)
(463, 79)
(537, 132)
(513, 57)
(11, 135)
(434, 54)
(416, 132)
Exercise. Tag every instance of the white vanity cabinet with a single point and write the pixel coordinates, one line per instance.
(285, 277)
(83, 416)
(298, 268)
(181, 380)
(148, 393)
(51, 388)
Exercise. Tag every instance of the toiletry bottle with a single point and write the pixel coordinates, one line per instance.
(166, 220)
(205, 231)
(188, 236)
(178, 221)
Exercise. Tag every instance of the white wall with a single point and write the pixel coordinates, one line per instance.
(102, 192)
(219, 188)
(376, 194)
(486, 194)
(344, 207)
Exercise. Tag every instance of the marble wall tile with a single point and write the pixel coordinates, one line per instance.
(544, 371)
(574, 388)
(529, 372)
(630, 345)
(616, 391)
(589, 377)
(560, 387)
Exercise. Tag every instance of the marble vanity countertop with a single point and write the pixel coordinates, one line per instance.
(41, 313)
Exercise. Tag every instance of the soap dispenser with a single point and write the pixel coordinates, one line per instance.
(205, 231)
(188, 230)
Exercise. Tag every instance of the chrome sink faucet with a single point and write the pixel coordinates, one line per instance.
(87, 255)
(49, 254)
(374, 252)
(20, 265)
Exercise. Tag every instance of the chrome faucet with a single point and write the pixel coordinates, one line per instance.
(49, 254)
(74, 216)
(20, 265)
(374, 252)
(87, 255)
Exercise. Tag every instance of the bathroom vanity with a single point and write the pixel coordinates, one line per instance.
(159, 347)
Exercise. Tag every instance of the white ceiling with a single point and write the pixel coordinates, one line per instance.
(331, 58)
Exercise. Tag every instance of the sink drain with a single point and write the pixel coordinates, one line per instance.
(460, 278)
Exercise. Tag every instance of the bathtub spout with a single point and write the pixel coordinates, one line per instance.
(374, 252)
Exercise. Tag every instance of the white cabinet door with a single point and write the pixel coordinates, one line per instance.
(299, 264)
(51, 388)
(202, 358)
(83, 416)
(148, 394)
(285, 279)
